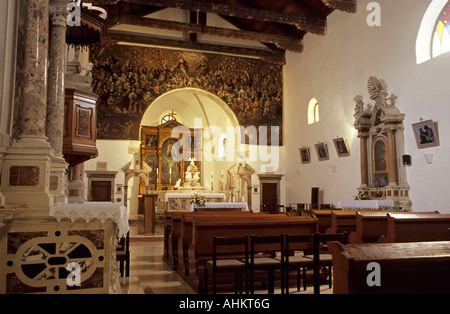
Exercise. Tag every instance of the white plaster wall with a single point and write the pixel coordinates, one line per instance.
(117, 154)
(334, 69)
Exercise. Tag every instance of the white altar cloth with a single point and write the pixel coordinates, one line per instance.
(93, 210)
(242, 205)
(365, 204)
(189, 195)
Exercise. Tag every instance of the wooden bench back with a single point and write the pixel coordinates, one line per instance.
(345, 220)
(370, 226)
(204, 229)
(415, 227)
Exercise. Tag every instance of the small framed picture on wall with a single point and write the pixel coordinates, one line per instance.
(322, 151)
(426, 134)
(342, 148)
(305, 156)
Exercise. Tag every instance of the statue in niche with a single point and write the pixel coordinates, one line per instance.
(192, 175)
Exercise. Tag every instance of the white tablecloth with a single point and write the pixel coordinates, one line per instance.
(93, 210)
(367, 204)
(189, 195)
(242, 205)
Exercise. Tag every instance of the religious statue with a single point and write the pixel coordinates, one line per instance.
(192, 175)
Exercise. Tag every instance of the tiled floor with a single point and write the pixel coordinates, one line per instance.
(149, 273)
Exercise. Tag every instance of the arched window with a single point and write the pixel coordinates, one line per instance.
(441, 37)
(169, 117)
(433, 38)
(313, 111)
(316, 113)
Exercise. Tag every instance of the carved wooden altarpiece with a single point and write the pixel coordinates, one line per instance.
(156, 152)
(381, 133)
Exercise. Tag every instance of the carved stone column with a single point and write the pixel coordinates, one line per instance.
(8, 43)
(34, 108)
(55, 103)
(26, 166)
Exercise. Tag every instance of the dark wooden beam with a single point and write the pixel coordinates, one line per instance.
(348, 6)
(281, 41)
(303, 22)
(271, 56)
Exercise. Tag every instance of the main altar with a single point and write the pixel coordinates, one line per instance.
(171, 179)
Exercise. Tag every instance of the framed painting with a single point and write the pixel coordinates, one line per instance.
(305, 156)
(342, 148)
(322, 151)
(426, 134)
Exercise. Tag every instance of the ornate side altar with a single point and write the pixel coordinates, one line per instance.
(380, 130)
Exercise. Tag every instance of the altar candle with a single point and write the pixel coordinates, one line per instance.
(170, 170)
(222, 171)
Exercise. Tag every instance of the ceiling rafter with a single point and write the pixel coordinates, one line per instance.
(302, 22)
(348, 6)
(281, 41)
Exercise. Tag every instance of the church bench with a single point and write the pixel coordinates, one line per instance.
(174, 228)
(370, 226)
(345, 220)
(324, 218)
(401, 268)
(185, 237)
(201, 249)
(416, 228)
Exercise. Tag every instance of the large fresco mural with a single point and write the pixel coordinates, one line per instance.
(128, 79)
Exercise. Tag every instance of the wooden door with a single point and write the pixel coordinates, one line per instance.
(100, 191)
(314, 198)
(270, 197)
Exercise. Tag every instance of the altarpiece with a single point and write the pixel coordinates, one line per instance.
(381, 133)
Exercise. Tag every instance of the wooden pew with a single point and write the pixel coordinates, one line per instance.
(405, 268)
(200, 250)
(416, 228)
(324, 219)
(174, 232)
(345, 220)
(185, 237)
(370, 226)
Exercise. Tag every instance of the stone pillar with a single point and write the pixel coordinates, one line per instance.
(8, 47)
(26, 166)
(55, 101)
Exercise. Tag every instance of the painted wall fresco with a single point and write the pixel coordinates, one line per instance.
(128, 79)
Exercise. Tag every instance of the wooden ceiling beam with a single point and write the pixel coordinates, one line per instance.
(302, 22)
(281, 41)
(271, 56)
(348, 6)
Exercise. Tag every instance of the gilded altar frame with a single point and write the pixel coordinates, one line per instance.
(156, 151)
